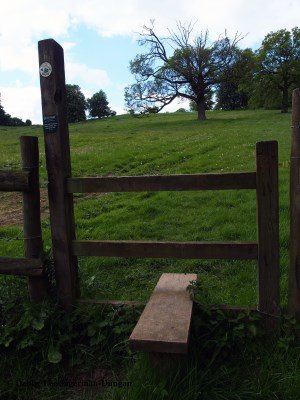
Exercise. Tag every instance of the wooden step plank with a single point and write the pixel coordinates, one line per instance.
(164, 325)
(21, 266)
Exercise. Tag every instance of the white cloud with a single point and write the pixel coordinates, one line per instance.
(177, 103)
(23, 23)
(22, 102)
(119, 110)
(68, 45)
(87, 93)
(91, 76)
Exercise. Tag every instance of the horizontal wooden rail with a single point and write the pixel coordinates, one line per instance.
(21, 266)
(148, 249)
(14, 181)
(152, 183)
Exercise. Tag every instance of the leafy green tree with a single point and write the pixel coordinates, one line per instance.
(279, 62)
(234, 94)
(3, 116)
(16, 122)
(209, 103)
(98, 106)
(178, 66)
(229, 97)
(76, 104)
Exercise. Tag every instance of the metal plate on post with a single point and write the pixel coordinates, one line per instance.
(50, 123)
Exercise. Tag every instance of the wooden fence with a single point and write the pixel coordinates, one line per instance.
(294, 276)
(62, 186)
(27, 182)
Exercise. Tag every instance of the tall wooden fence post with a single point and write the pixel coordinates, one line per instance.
(294, 277)
(31, 213)
(268, 232)
(57, 148)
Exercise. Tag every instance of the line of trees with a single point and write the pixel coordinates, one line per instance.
(77, 105)
(194, 68)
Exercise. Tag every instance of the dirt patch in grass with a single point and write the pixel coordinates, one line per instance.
(11, 208)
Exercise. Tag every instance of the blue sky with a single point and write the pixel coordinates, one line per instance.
(99, 39)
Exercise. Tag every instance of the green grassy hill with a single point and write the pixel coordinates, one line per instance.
(222, 363)
(165, 144)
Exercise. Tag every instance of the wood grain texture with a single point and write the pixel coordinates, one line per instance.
(268, 232)
(148, 249)
(243, 180)
(21, 266)
(57, 149)
(14, 181)
(294, 274)
(33, 244)
(164, 325)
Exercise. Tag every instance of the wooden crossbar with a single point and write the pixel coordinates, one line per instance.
(14, 181)
(21, 266)
(151, 249)
(152, 183)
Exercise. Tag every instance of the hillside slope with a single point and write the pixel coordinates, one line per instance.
(165, 144)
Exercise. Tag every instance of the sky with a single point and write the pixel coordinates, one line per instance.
(100, 38)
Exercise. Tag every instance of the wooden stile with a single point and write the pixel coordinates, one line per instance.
(57, 149)
(148, 249)
(268, 232)
(32, 214)
(151, 183)
(62, 186)
(294, 276)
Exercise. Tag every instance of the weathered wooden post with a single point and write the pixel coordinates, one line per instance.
(294, 277)
(57, 148)
(268, 232)
(31, 213)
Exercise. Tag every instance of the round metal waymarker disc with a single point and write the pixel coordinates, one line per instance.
(45, 69)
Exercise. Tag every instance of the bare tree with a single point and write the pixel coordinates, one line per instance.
(179, 66)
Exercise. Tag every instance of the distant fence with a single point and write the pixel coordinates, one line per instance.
(62, 186)
(27, 182)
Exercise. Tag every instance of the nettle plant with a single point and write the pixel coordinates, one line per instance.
(51, 334)
(221, 331)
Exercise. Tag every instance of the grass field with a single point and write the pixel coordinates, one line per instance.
(169, 144)
(166, 144)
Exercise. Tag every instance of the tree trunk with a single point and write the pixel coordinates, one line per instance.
(285, 99)
(201, 110)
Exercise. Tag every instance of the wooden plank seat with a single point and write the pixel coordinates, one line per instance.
(165, 322)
